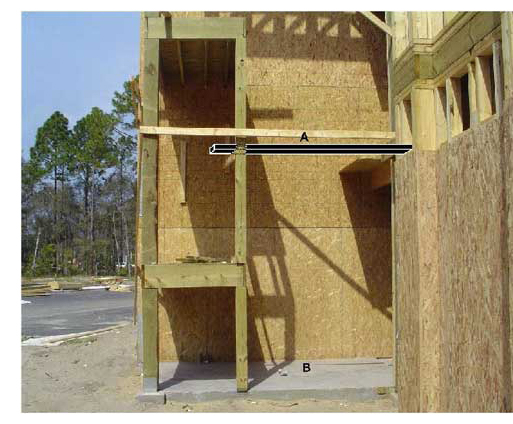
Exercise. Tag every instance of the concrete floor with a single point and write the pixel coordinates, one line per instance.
(351, 379)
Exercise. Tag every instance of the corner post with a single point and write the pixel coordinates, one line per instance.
(148, 206)
(241, 318)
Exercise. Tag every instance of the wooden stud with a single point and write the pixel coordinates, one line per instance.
(180, 60)
(148, 211)
(241, 330)
(423, 119)
(484, 94)
(394, 275)
(448, 108)
(378, 22)
(440, 116)
(454, 107)
(507, 52)
(390, 75)
(497, 76)
(183, 170)
(261, 132)
(472, 101)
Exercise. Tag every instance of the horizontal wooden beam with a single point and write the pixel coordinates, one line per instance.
(378, 22)
(259, 132)
(183, 275)
(196, 28)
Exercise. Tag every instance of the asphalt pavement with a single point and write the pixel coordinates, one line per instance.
(69, 311)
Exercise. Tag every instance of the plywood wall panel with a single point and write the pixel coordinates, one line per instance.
(319, 277)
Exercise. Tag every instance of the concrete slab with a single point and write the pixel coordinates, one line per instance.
(153, 397)
(351, 379)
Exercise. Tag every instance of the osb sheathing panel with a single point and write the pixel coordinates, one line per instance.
(474, 195)
(429, 283)
(407, 282)
(318, 242)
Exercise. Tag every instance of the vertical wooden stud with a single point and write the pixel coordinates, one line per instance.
(484, 94)
(183, 169)
(507, 52)
(241, 330)
(497, 76)
(454, 107)
(472, 101)
(148, 210)
(394, 278)
(241, 323)
(440, 116)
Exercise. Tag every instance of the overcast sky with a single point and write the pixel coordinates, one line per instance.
(72, 62)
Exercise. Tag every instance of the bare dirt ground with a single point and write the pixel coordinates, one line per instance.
(99, 374)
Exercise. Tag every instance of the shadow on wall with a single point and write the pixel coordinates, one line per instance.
(202, 320)
(319, 36)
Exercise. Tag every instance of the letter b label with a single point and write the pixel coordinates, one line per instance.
(306, 367)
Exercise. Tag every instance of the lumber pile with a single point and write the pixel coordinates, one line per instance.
(35, 289)
(66, 285)
(199, 259)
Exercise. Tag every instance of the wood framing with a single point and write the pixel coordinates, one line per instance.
(194, 28)
(378, 22)
(484, 94)
(191, 275)
(148, 211)
(241, 318)
(260, 132)
(497, 76)
(507, 52)
(188, 275)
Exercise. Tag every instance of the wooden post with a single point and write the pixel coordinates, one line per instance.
(241, 318)
(497, 76)
(507, 52)
(148, 211)
(423, 118)
(472, 101)
(484, 95)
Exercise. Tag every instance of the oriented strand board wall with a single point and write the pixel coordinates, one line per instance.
(407, 282)
(474, 217)
(319, 255)
(475, 194)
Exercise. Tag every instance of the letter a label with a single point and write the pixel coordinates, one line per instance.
(304, 137)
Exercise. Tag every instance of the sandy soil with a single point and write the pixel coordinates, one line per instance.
(99, 374)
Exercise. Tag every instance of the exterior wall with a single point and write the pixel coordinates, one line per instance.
(473, 222)
(319, 253)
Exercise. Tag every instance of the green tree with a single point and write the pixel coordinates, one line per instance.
(126, 103)
(49, 158)
(94, 152)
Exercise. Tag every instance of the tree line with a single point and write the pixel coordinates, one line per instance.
(78, 192)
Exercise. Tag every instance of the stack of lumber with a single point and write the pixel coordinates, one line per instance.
(66, 285)
(35, 289)
(199, 259)
(108, 280)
